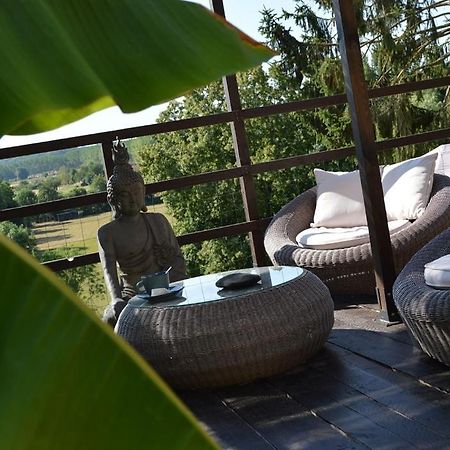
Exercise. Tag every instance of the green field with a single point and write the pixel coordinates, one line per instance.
(80, 233)
(79, 237)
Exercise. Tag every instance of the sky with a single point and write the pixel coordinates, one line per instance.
(243, 14)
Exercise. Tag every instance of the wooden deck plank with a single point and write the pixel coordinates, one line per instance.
(283, 421)
(399, 392)
(357, 317)
(370, 388)
(390, 352)
(356, 414)
(222, 423)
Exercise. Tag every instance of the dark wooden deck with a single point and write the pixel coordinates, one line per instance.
(369, 388)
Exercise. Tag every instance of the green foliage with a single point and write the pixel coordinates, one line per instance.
(6, 196)
(22, 173)
(50, 162)
(210, 148)
(398, 43)
(62, 369)
(87, 172)
(19, 234)
(86, 281)
(58, 360)
(98, 183)
(76, 192)
(48, 190)
(160, 58)
(25, 196)
(401, 41)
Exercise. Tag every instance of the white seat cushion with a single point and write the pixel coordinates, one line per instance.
(333, 238)
(437, 273)
(407, 187)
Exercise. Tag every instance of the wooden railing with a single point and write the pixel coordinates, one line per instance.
(358, 103)
(106, 139)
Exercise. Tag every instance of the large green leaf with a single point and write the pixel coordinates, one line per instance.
(67, 382)
(63, 59)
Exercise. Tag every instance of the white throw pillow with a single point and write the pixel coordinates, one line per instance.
(332, 238)
(443, 159)
(339, 200)
(407, 187)
(437, 273)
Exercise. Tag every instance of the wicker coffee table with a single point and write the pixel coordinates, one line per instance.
(210, 337)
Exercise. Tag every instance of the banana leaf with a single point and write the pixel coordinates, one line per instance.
(64, 59)
(68, 382)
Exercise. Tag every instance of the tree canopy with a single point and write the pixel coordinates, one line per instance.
(401, 40)
(6, 196)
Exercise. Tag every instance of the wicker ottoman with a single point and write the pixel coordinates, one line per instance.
(210, 337)
(425, 310)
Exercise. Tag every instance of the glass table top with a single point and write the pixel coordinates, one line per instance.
(203, 288)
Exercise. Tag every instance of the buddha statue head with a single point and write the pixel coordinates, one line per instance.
(125, 187)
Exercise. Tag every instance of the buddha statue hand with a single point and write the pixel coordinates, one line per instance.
(113, 311)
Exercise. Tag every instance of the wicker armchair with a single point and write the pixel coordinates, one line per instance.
(349, 270)
(425, 310)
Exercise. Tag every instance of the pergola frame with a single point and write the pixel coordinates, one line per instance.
(366, 150)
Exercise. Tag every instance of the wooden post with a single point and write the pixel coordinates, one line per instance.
(240, 145)
(364, 136)
(108, 163)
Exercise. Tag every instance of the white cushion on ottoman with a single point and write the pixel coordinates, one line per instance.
(437, 273)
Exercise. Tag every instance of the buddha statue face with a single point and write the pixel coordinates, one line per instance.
(130, 200)
(125, 188)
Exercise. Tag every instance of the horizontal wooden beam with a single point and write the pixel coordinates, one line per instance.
(213, 119)
(189, 238)
(226, 174)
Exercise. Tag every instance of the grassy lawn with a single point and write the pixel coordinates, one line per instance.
(80, 232)
(79, 236)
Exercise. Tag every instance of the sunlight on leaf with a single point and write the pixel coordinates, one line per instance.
(64, 59)
(68, 382)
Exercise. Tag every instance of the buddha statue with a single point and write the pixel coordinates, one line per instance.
(135, 242)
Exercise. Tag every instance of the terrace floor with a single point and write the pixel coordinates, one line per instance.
(369, 388)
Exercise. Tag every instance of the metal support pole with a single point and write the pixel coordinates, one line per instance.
(240, 145)
(364, 136)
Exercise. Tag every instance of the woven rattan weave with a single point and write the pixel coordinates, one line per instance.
(232, 340)
(349, 270)
(425, 310)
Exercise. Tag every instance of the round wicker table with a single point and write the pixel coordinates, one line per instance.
(213, 337)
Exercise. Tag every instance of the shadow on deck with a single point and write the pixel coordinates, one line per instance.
(370, 387)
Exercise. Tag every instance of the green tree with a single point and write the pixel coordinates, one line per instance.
(76, 192)
(98, 183)
(86, 281)
(19, 234)
(65, 175)
(88, 171)
(401, 41)
(25, 196)
(207, 149)
(22, 173)
(6, 195)
(48, 191)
